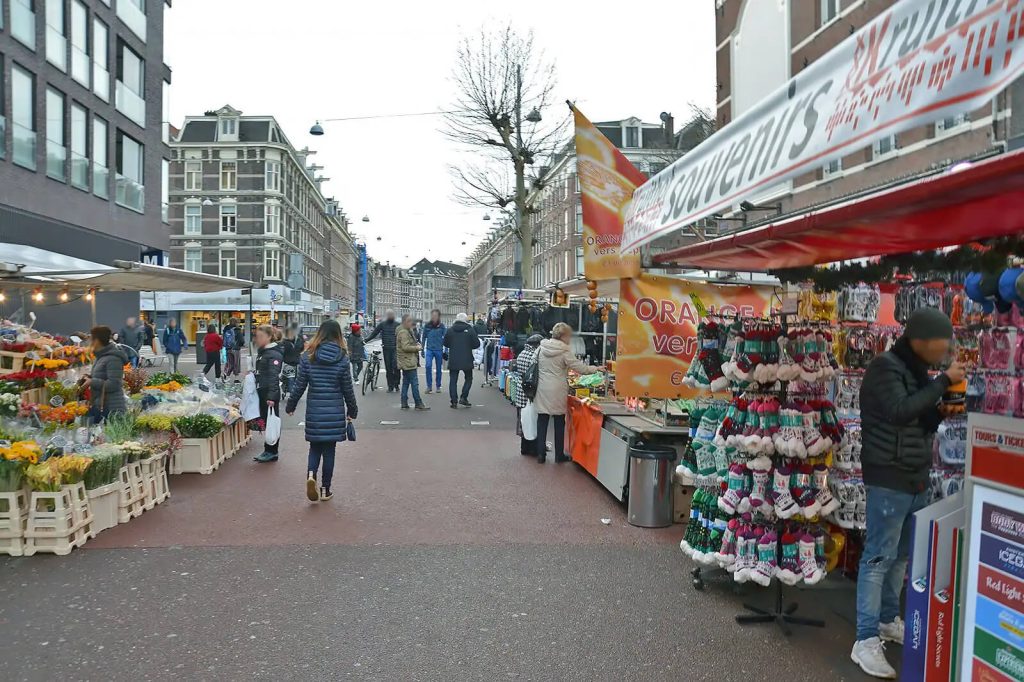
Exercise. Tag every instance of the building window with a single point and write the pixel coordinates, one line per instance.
(130, 89)
(129, 179)
(944, 125)
(194, 176)
(577, 176)
(56, 32)
(100, 60)
(829, 10)
(79, 147)
(228, 263)
(229, 127)
(832, 168)
(23, 22)
(886, 145)
(100, 174)
(165, 190)
(194, 260)
(228, 218)
(193, 219)
(271, 264)
(273, 176)
(632, 136)
(133, 14)
(3, 98)
(565, 226)
(273, 219)
(80, 42)
(579, 218)
(23, 117)
(228, 175)
(579, 260)
(56, 153)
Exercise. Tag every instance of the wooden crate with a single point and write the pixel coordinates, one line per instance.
(11, 362)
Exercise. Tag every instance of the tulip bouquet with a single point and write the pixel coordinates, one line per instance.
(48, 363)
(14, 459)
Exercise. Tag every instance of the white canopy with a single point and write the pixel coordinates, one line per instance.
(124, 276)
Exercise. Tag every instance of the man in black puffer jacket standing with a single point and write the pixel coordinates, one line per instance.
(900, 414)
(387, 330)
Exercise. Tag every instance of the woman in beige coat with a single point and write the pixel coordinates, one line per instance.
(555, 359)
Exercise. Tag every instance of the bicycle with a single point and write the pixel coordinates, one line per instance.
(372, 371)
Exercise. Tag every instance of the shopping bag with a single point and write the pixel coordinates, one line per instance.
(250, 401)
(273, 432)
(350, 431)
(528, 419)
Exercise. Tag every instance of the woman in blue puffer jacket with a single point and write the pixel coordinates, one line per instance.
(331, 404)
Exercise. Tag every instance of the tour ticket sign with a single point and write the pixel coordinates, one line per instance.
(658, 320)
(994, 614)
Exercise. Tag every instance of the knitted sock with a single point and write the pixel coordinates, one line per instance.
(809, 569)
(705, 452)
(809, 365)
(820, 557)
(711, 359)
(769, 426)
(766, 565)
(726, 554)
(731, 500)
(802, 489)
(788, 369)
(686, 544)
(746, 556)
(688, 463)
(723, 458)
(759, 490)
(709, 552)
(826, 502)
(813, 443)
(733, 423)
(789, 563)
(741, 364)
(785, 506)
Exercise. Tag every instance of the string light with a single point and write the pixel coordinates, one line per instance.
(37, 295)
(90, 294)
(64, 295)
(3, 296)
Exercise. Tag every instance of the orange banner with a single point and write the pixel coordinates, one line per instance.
(657, 335)
(607, 180)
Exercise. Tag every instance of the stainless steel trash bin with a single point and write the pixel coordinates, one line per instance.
(650, 485)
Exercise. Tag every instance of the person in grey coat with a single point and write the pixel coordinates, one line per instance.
(460, 340)
(132, 334)
(106, 381)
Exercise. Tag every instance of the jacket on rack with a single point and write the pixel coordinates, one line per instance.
(522, 319)
(331, 399)
(899, 417)
(508, 320)
(432, 336)
(555, 360)
(461, 340)
(549, 318)
(387, 330)
(269, 361)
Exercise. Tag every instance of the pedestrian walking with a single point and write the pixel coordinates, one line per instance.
(149, 336)
(356, 350)
(212, 344)
(461, 340)
(106, 380)
(432, 340)
(899, 418)
(387, 330)
(132, 335)
(231, 364)
(292, 347)
(409, 362)
(174, 342)
(269, 360)
(526, 371)
(555, 359)
(325, 370)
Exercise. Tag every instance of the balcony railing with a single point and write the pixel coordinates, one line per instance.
(79, 171)
(80, 65)
(100, 178)
(23, 23)
(56, 48)
(129, 103)
(130, 194)
(56, 155)
(101, 82)
(24, 146)
(133, 17)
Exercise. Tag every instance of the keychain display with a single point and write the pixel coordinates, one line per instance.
(859, 302)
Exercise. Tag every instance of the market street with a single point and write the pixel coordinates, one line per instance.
(444, 555)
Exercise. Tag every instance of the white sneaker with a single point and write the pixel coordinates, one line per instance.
(869, 654)
(892, 632)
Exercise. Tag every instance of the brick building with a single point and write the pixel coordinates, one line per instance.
(443, 286)
(83, 142)
(760, 45)
(391, 291)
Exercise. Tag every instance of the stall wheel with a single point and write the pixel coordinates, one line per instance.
(698, 580)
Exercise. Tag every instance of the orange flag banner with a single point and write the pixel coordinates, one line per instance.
(607, 180)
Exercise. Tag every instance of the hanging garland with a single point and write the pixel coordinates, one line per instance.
(985, 256)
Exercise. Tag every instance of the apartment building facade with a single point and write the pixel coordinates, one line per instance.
(760, 45)
(83, 143)
(392, 290)
(244, 202)
(443, 287)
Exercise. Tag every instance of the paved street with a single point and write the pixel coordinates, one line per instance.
(444, 555)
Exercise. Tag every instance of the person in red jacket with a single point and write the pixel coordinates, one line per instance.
(212, 344)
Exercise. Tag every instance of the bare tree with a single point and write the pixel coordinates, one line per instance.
(499, 75)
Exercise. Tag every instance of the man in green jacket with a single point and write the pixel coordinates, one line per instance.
(899, 404)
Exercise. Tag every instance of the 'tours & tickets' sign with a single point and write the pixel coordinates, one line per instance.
(916, 62)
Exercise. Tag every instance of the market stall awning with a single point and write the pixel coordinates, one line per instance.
(966, 203)
(124, 276)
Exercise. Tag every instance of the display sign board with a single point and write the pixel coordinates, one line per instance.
(607, 180)
(918, 61)
(658, 322)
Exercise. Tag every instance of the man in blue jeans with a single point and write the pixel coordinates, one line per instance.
(900, 414)
(432, 340)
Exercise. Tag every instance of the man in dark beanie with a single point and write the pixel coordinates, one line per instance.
(899, 409)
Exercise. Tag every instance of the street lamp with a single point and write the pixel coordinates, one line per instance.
(366, 218)
(317, 129)
(207, 202)
(487, 216)
(534, 116)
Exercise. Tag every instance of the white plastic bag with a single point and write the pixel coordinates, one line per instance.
(273, 432)
(250, 401)
(528, 418)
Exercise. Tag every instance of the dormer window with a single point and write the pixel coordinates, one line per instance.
(228, 126)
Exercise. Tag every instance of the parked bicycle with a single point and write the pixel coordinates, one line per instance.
(372, 371)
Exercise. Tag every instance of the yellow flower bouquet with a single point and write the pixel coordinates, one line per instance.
(48, 363)
(14, 459)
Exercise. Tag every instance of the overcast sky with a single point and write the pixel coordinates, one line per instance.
(308, 59)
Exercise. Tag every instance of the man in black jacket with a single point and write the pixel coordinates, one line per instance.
(460, 340)
(900, 414)
(387, 330)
